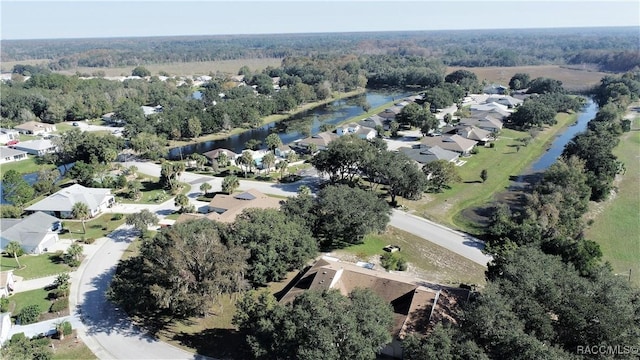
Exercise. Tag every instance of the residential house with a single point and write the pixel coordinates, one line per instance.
(355, 129)
(484, 120)
(495, 89)
(10, 155)
(374, 121)
(417, 305)
(475, 133)
(7, 283)
(7, 135)
(499, 109)
(213, 155)
(35, 233)
(36, 147)
(283, 150)
(454, 143)
(35, 128)
(423, 154)
(225, 208)
(506, 100)
(150, 110)
(60, 204)
(320, 140)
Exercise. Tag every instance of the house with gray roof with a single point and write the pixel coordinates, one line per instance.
(506, 100)
(454, 143)
(36, 147)
(493, 107)
(10, 155)
(60, 204)
(423, 154)
(35, 233)
(375, 120)
(321, 140)
(474, 133)
(213, 155)
(484, 120)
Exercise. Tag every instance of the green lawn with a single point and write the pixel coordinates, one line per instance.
(34, 297)
(71, 348)
(35, 266)
(501, 162)
(96, 228)
(616, 226)
(431, 262)
(25, 166)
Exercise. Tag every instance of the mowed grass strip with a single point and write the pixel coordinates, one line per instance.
(30, 165)
(501, 162)
(616, 222)
(427, 260)
(35, 266)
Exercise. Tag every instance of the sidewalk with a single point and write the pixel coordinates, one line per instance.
(47, 327)
(33, 284)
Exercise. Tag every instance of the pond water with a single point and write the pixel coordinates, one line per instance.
(298, 126)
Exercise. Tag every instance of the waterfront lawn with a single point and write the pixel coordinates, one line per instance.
(615, 221)
(501, 162)
(99, 227)
(30, 165)
(34, 266)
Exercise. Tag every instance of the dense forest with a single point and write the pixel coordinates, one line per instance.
(609, 49)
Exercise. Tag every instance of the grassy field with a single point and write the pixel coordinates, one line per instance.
(426, 260)
(25, 166)
(34, 297)
(572, 78)
(616, 226)
(96, 228)
(501, 162)
(34, 266)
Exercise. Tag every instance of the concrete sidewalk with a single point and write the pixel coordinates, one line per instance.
(47, 327)
(33, 284)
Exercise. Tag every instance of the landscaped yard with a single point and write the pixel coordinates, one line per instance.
(426, 260)
(616, 226)
(26, 166)
(501, 162)
(34, 297)
(35, 266)
(96, 228)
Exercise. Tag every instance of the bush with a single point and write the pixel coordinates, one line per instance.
(90, 241)
(29, 314)
(4, 304)
(59, 305)
(492, 145)
(393, 261)
(117, 216)
(66, 328)
(58, 293)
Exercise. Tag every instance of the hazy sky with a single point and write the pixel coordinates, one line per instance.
(87, 18)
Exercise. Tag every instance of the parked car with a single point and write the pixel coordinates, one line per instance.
(75, 124)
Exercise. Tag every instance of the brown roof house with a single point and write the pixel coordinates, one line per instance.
(417, 305)
(225, 208)
(35, 128)
(321, 140)
(475, 133)
(213, 155)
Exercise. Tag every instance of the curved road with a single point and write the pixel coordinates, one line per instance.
(109, 333)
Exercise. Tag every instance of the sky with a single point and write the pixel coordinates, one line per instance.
(23, 19)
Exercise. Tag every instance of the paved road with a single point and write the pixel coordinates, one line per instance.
(105, 329)
(455, 241)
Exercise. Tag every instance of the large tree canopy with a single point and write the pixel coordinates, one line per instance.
(181, 271)
(316, 325)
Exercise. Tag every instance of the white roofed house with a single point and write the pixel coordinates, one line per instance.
(36, 147)
(35, 128)
(7, 135)
(475, 133)
(9, 155)
(454, 143)
(60, 204)
(35, 233)
(423, 154)
(362, 132)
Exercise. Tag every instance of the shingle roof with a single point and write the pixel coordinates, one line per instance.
(29, 231)
(230, 206)
(40, 144)
(9, 152)
(453, 143)
(424, 154)
(64, 199)
(213, 154)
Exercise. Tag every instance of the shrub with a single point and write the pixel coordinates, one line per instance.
(492, 145)
(474, 151)
(117, 216)
(59, 305)
(4, 304)
(29, 314)
(393, 261)
(58, 293)
(90, 241)
(66, 328)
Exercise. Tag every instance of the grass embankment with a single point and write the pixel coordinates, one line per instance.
(266, 120)
(30, 165)
(35, 266)
(501, 162)
(616, 226)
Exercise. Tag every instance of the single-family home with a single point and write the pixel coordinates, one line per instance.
(150, 110)
(213, 155)
(283, 150)
(320, 140)
(506, 100)
(36, 147)
(60, 204)
(35, 128)
(35, 233)
(474, 133)
(423, 154)
(484, 120)
(495, 89)
(10, 155)
(493, 107)
(7, 283)
(7, 135)
(225, 208)
(355, 129)
(417, 305)
(454, 143)
(374, 121)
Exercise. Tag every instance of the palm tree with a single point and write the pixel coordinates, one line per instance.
(14, 248)
(230, 184)
(81, 211)
(205, 187)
